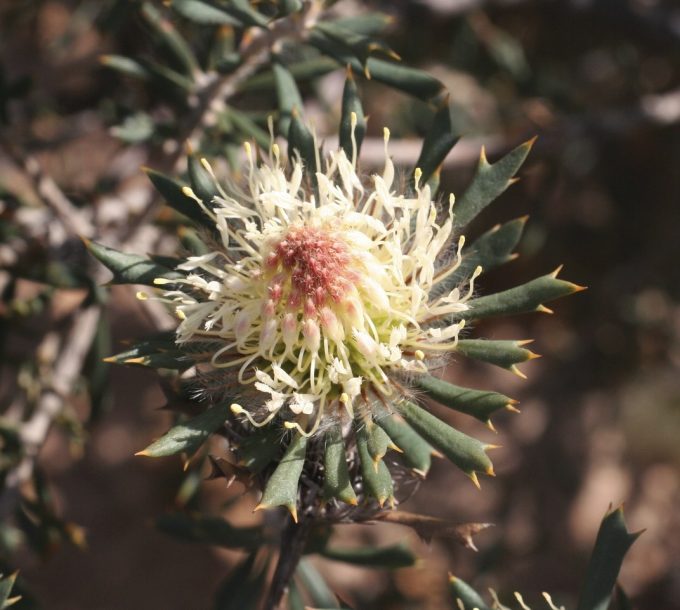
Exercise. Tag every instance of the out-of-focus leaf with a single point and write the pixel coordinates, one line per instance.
(315, 585)
(506, 354)
(464, 451)
(466, 594)
(490, 250)
(202, 182)
(336, 480)
(210, 530)
(249, 128)
(390, 557)
(6, 585)
(352, 112)
(171, 39)
(416, 450)
(130, 268)
(243, 587)
(175, 197)
(376, 476)
(303, 70)
(439, 140)
(410, 80)
(432, 527)
(526, 298)
(366, 23)
(295, 601)
(361, 45)
(246, 14)
(125, 65)
(167, 79)
(96, 371)
(259, 449)
(203, 13)
(288, 96)
(489, 182)
(288, 7)
(136, 128)
(479, 404)
(192, 242)
(188, 436)
(612, 544)
(282, 487)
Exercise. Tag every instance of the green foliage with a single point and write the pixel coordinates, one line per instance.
(210, 530)
(391, 557)
(336, 480)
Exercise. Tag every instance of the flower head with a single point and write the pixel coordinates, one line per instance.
(319, 290)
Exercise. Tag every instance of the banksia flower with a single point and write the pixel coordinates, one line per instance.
(318, 304)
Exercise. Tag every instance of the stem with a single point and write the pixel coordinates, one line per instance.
(293, 542)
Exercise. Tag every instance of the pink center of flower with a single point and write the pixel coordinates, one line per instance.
(315, 263)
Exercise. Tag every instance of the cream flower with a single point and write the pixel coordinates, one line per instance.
(321, 294)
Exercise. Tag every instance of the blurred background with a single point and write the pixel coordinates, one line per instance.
(598, 81)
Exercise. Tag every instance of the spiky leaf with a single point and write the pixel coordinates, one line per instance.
(506, 354)
(416, 450)
(478, 403)
(336, 480)
(439, 140)
(376, 476)
(175, 196)
(464, 451)
(130, 268)
(489, 182)
(612, 544)
(281, 488)
(526, 298)
(188, 436)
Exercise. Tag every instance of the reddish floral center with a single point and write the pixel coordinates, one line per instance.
(315, 262)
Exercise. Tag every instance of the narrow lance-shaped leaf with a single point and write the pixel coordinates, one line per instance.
(390, 557)
(416, 450)
(352, 120)
(248, 128)
(611, 546)
(488, 251)
(125, 65)
(303, 70)
(489, 182)
(288, 96)
(210, 530)
(439, 140)
(258, 449)
(526, 298)
(243, 586)
(376, 476)
(366, 23)
(6, 585)
(336, 480)
(188, 436)
(246, 14)
(479, 404)
(506, 354)
(464, 451)
(171, 39)
(314, 583)
(203, 13)
(301, 142)
(130, 268)
(282, 487)
(175, 195)
(295, 601)
(202, 181)
(466, 594)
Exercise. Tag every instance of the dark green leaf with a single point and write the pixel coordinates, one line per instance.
(242, 589)
(351, 107)
(295, 601)
(136, 128)
(365, 23)
(478, 403)
(203, 13)
(490, 250)
(176, 198)
(282, 487)
(390, 557)
(171, 40)
(301, 143)
(336, 480)
(288, 96)
(439, 140)
(611, 546)
(526, 298)
(306, 69)
(464, 451)
(249, 128)
(188, 436)
(259, 448)
(246, 14)
(202, 182)
(376, 477)
(130, 268)
(417, 451)
(210, 530)
(6, 585)
(489, 182)
(125, 65)
(506, 354)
